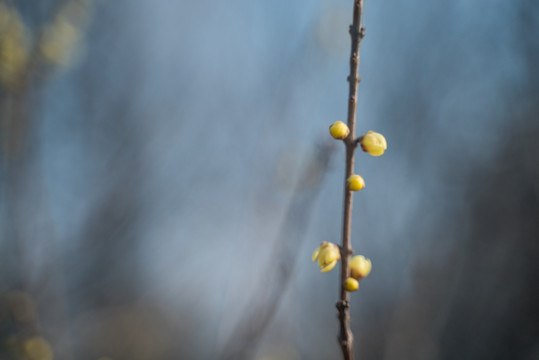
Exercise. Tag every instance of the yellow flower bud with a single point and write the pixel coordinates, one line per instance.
(327, 254)
(360, 267)
(373, 143)
(355, 183)
(339, 130)
(351, 284)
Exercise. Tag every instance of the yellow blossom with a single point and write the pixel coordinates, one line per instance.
(339, 130)
(360, 267)
(373, 143)
(13, 47)
(351, 284)
(355, 183)
(327, 254)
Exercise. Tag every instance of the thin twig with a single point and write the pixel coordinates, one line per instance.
(346, 338)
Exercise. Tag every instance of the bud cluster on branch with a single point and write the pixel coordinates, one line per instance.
(354, 269)
(327, 253)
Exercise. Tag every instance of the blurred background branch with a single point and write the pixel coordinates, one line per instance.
(27, 53)
(266, 296)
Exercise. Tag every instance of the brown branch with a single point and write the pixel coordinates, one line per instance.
(346, 338)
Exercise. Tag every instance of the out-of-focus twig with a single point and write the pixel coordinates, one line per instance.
(264, 301)
(22, 82)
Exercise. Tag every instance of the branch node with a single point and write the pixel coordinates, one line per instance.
(357, 141)
(353, 78)
(346, 252)
(342, 305)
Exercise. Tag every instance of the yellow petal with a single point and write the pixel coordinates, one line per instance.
(315, 254)
(329, 266)
(328, 254)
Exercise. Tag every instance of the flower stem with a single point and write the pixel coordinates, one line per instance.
(346, 338)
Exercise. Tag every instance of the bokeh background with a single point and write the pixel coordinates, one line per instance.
(166, 173)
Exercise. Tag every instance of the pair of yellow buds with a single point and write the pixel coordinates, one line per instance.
(328, 254)
(372, 142)
(360, 267)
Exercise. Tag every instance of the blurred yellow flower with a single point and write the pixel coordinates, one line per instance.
(58, 41)
(61, 39)
(360, 267)
(37, 348)
(14, 45)
(355, 183)
(339, 130)
(327, 254)
(373, 143)
(351, 284)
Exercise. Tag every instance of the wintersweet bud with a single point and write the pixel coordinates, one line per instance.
(327, 254)
(339, 130)
(355, 183)
(351, 284)
(373, 143)
(360, 267)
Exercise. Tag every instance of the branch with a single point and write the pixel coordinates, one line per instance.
(346, 338)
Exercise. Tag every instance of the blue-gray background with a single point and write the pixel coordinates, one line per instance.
(158, 172)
